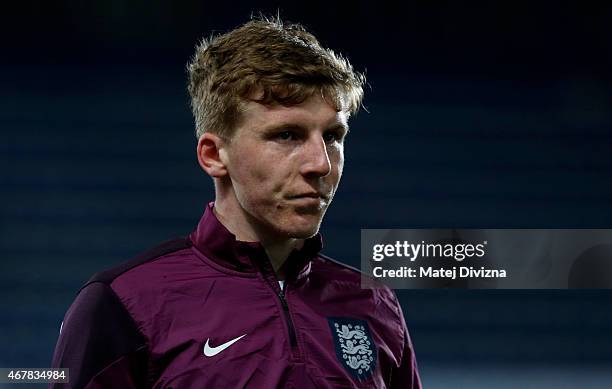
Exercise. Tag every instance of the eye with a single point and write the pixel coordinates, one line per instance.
(286, 135)
(333, 136)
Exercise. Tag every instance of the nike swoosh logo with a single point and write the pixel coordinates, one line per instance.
(212, 351)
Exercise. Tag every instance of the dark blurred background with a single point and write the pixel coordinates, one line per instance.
(491, 114)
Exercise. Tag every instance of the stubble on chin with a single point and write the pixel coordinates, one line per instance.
(299, 224)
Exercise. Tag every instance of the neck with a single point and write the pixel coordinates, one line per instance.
(231, 215)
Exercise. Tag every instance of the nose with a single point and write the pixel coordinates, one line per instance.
(316, 158)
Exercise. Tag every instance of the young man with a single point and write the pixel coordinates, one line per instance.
(247, 300)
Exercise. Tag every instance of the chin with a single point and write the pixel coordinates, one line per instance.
(295, 223)
(300, 229)
(305, 234)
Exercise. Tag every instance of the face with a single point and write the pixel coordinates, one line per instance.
(284, 165)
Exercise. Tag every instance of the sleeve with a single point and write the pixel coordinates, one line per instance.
(100, 343)
(406, 375)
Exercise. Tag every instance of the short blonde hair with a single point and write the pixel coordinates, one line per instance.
(277, 62)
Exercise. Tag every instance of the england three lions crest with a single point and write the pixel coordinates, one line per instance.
(355, 347)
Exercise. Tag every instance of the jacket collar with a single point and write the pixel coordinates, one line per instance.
(220, 245)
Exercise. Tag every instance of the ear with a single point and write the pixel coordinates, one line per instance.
(209, 155)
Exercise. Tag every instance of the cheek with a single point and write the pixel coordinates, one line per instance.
(245, 166)
(257, 180)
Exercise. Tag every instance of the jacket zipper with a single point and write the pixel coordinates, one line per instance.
(283, 301)
(285, 305)
(292, 336)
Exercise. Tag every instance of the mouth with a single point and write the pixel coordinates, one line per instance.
(310, 199)
(310, 195)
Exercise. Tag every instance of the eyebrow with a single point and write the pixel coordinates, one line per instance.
(290, 126)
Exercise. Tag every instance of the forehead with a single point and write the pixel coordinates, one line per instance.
(314, 112)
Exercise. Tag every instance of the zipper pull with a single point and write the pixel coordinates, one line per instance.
(281, 296)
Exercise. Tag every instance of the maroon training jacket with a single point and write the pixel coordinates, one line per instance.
(207, 312)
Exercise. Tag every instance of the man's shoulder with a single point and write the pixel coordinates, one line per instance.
(100, 333)
(162, 250)
(105, 294)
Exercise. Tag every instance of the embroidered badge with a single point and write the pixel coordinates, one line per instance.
(355, 348)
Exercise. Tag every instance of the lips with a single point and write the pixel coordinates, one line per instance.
(308, 203)
(312, 195)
